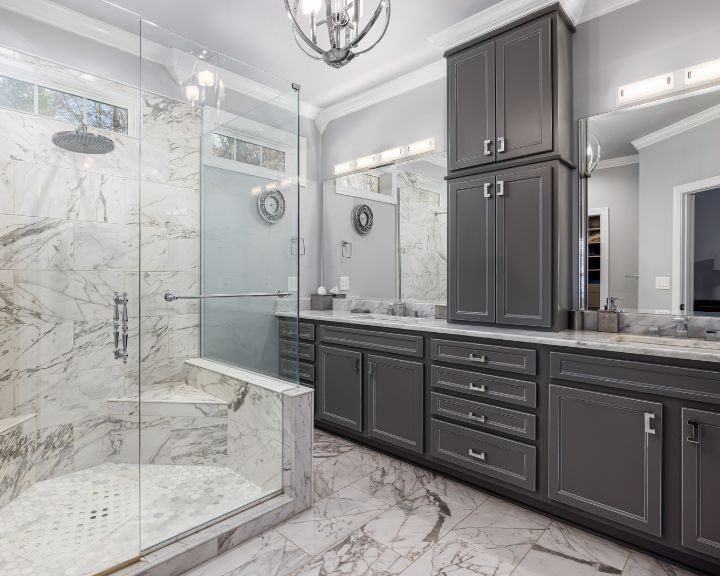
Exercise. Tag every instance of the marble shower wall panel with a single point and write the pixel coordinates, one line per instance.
(423, 239)
(73, 229)
(17, 456)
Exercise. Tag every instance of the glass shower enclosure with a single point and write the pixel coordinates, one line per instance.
(148, 209)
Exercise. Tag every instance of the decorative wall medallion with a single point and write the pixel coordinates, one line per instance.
(271, 205)
(362, 218)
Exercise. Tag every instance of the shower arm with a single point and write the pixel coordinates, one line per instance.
(170, 297)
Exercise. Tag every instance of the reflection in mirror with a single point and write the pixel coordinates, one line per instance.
(653, 203)
(401, 253)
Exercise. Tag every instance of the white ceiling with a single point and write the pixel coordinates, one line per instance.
(258, 32)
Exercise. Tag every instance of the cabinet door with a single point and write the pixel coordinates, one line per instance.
(524, 91)
(471, 107)
(701, 481)
(395, 401)
(339, 387)
(524, 247)
(605, 456)
(471, 250)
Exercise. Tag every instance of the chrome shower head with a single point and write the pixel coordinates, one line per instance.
(83, 142)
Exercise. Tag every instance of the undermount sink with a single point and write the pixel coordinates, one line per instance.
(668, 341)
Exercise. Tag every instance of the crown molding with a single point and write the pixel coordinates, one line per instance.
(85, 26)
(400, 85)
(617, 162)
(678, 128)
(497, 16)
(596, 8)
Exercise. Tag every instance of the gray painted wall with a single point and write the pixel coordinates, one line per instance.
(685, 158)
(618, 190)
(403, 119)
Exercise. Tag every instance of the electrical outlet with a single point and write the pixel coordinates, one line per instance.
(662, 283)
(292, 284)
(345, 283)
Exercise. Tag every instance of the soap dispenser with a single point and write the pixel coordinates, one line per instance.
(609, 318)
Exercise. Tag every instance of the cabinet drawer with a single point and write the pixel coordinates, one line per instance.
(302, 350)
(506, 460)
(687, 383)
(289, 368)
(404, 344)
(484, 415)
(303, 330)
(485, 386)
(502, 358)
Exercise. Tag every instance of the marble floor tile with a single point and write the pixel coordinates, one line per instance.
(331, 519)
(456, 557)
(420, 521)
(502, 529)
(395, 481)
(356, 555)
(326, 446)
(337, 473)
(566, 551)
(641, 565)
(268, 554)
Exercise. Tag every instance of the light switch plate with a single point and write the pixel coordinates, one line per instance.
(292, 284)
(345, 283)
(662, 283)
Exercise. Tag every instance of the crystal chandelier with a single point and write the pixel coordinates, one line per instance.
(343, 21)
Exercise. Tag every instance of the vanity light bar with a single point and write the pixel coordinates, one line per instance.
(389, 156)
(705, 72)
(645, 88)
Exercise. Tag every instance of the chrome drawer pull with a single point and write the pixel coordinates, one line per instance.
(480, 388)
(501, 144)
(649, 418)
(482, 358)
(478, 455)
(486, 148)
(480, 418)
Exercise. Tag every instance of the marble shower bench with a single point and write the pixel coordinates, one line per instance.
(18, 438)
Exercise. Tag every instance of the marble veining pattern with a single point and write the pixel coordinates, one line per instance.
(349, 533)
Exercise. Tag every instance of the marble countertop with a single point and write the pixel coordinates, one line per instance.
(663, 347)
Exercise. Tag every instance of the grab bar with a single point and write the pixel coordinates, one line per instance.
(170, 297)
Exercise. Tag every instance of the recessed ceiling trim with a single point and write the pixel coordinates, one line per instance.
(406, 83)
(84, 26)
(617, 162)
(683, 125)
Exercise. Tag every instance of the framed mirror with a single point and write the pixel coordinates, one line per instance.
(650, 206)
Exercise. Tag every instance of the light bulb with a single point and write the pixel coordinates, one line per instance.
(206, 78)
(192, 92)
(310, 6)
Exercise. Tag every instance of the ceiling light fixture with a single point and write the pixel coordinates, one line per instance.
(343, 21)
(705, 72)
(206, 78)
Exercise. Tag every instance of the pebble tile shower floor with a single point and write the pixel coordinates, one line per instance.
(378, 516)
(81, 523)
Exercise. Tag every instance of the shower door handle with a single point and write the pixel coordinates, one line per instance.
(120, 327)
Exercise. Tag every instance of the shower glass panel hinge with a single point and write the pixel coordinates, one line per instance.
(120, 327)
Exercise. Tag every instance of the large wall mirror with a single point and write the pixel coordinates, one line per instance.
(652, 229)
(385, 232)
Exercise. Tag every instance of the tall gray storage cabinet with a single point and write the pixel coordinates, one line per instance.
(509, 175)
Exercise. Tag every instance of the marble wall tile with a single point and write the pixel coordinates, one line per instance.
(124, 162)
(149, 288)
(8, 351)
(105, 246)
(118, 200)
(43, 347)
(7, 296)
(202, 440)
(26, 138)
(7, 398)
(170, 206)
(35, 243)
(17, 459)
(54, 453)
(93, 345)
(54, 192)
(124, 440)
(298, 424)
(155, 373)
(257, 457)
(184, 336)
(86, 295)
(7, 186)
(90, 444)
(155, 331)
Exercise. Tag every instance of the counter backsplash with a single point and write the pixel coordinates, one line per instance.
(631, 323)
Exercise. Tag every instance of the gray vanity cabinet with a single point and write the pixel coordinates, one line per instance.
(524, 91)
(605, 456)
(395, 393)
(471, 107)
(339, 387)
(701, 481)
(471, 249)
(524, 247)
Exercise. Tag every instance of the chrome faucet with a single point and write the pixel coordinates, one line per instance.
(681, 326)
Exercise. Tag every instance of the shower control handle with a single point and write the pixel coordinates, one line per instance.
(120, 327)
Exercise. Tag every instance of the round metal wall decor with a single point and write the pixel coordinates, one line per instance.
(362, 218)
(271, 205)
